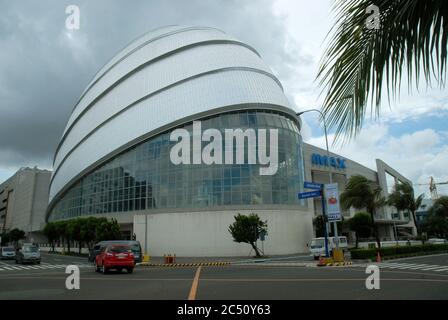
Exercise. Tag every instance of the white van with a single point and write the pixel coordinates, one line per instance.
(317, 246)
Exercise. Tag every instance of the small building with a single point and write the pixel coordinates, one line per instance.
(23, 202)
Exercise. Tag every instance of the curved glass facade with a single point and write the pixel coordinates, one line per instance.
(143, 177)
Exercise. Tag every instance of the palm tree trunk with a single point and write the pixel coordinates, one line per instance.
(415, 222)
(375, 231)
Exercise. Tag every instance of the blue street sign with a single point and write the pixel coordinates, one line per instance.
(311, 194)
(312, 185)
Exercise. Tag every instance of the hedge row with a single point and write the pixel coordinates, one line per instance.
(399, 250)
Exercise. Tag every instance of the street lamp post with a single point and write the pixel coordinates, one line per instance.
(329, 170)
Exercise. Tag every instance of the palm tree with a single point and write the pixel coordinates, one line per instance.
(403, 198)
(361, 193)
(411, 39)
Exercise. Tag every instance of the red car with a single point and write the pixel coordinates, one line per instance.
(115, 256)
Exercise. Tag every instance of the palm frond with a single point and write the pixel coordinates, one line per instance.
(412, 39)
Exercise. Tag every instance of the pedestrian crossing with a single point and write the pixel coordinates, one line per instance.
(42, 266)
(415, 266)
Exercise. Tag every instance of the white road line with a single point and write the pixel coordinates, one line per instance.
(21, 267)
(394, 265)
(1, 269)
(15, 268)
(32, 267)
(416, 266)
(440, 270)
(432, 268)
(397, 266)
(8, 268)
(424, 266)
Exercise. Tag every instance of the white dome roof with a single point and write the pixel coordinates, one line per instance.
(166, 77)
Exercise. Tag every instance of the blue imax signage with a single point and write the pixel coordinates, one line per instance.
(319, 160)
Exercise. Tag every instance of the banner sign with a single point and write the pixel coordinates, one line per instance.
(332, 202)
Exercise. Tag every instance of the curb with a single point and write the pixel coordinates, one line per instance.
(177, 265)
(336, 264)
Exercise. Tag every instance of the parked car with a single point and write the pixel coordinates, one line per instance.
(115, 256)
(135, 247)
(437, 241)
(7, 253)
(317, 246)
(28, 253)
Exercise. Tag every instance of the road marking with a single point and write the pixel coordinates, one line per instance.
(440, 270)
(415, 266)
(433, 267)
(21, 267)
(194, 286)
(399, 265)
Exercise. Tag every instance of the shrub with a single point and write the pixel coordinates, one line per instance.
(400, 250)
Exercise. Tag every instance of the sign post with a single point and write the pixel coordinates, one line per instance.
(319, 192)
(333, 209)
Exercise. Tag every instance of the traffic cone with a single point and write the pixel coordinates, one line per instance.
(378, 256)
(321, 261)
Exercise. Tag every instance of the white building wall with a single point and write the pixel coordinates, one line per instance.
(202, 234)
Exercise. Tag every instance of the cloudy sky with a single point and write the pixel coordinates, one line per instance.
(44, 68)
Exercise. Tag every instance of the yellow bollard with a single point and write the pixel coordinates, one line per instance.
(338, 255)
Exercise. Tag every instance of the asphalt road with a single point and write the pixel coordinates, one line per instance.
(399, 279)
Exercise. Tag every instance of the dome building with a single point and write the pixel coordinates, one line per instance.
(113, 159)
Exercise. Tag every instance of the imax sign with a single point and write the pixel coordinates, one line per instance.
(319, 160)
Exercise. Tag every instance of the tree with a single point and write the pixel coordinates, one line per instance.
(402, 198)
(361, 193)
(247, 229)
(361, 224)
(5, 238)
(361, 59)
(88, 230)
(437, 219)
(319, 222)
(51, 232)
(107, 230)
(15, 235)
(62, 231)
(74, 230)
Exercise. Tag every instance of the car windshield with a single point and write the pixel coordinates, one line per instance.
(8, 249)
(29, 249)
(120, 249)
(317, 243)
(135, 248)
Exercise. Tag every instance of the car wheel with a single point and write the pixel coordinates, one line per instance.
(130, 270)
(38, 262)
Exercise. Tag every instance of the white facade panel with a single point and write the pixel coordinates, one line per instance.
(216, 91)
(205, 234)
(141, 56)
(157, 76)
(148, 37)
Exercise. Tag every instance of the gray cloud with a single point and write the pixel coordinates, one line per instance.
(43, 71)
